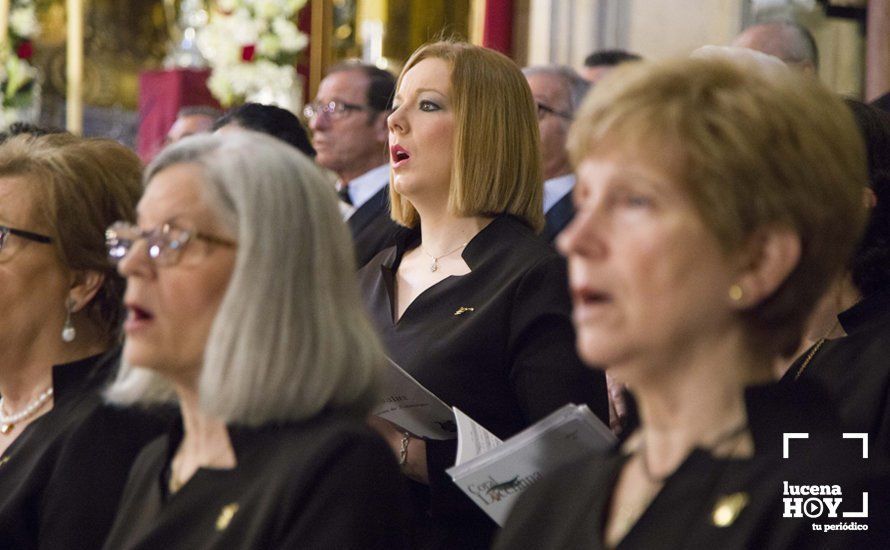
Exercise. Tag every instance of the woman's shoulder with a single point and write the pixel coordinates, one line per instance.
(508, 247)
(327, 434)
(518, 236)
(113, 434)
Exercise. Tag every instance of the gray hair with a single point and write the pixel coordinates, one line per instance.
(572, 82)
(291, 337)
(789, 41)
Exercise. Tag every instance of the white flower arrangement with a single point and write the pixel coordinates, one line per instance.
(252, 47)
(18, 78)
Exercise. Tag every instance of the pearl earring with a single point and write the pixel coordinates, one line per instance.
(68, 331)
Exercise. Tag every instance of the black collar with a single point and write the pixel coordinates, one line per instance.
(74, 376)
(480, 248)
(873, 309)
(772, 409)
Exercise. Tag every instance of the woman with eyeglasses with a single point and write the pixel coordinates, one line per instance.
(64, 457)
(470, 301)
(243, 310)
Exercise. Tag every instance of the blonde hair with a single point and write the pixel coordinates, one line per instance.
(81, 187)
(497, 153)
(291, 337)
(753, 147)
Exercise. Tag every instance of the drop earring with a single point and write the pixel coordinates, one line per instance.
(68, 332)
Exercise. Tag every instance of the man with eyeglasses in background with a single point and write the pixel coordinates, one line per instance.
(349, 133)
(558, 91)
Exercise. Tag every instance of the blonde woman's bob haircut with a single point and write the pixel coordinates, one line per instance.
(754, 147)
(290, 338)
(497, 151)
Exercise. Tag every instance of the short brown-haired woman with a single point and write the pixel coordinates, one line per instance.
(715, 201)
(64, 457)
(471, 301)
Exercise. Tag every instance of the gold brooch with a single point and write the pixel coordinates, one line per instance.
(4, 460)
(225, 516)
(461, 310)
(728, 508)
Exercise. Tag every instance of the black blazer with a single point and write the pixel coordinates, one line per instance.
(568, 510)
(327, 482)
(62, 478)
(498, 343)
(371, 227)
(558, 217)
(855, 370)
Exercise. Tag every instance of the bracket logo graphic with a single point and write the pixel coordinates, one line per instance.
(816, 501)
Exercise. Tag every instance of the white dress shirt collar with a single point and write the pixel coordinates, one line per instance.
(557, 188)
(362, 188)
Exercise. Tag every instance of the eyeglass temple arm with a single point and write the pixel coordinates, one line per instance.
(28, 235)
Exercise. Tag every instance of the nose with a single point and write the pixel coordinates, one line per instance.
(396, 121)
(136, 261)
(584, 236)
(319, 122)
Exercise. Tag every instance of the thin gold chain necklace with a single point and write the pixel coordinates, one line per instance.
(435, 265)
(815, 349)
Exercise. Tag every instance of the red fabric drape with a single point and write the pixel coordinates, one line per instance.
(161, 95)
(304, 23)
(497, 32)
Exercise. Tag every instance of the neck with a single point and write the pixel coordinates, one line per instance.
(205, 439)
(27, 371)
(361, 168)
(441, 232)
(691, 399)
(823, 323)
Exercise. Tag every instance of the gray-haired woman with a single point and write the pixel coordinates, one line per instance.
(242, 305)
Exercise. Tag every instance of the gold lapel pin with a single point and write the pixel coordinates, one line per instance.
(728, 508)
(225, 516)
(4, 460)
(461, 310)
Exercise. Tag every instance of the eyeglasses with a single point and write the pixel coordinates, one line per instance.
(5, 232)
(165, 243)
(544, 110)
(334, 109)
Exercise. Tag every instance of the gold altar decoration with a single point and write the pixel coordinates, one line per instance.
(120, 39)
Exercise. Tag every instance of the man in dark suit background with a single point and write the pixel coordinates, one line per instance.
(558, 91)
(349, 133)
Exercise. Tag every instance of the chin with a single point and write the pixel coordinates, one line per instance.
(596, 351)
(140, 355)
(402, 185)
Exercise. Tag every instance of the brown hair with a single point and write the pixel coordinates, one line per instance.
(81, 187)
(497, 153)
(753, 147)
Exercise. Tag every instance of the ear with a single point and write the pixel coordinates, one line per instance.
(767, 261)
(381, 129)
(84, 286)
(869, 198)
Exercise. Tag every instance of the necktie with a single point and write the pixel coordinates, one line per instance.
(343, 193)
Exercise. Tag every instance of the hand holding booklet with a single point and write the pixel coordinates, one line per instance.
(412, 407)
(493, 473)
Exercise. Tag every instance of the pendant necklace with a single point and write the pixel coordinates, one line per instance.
(434, 266)
(8, 422)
